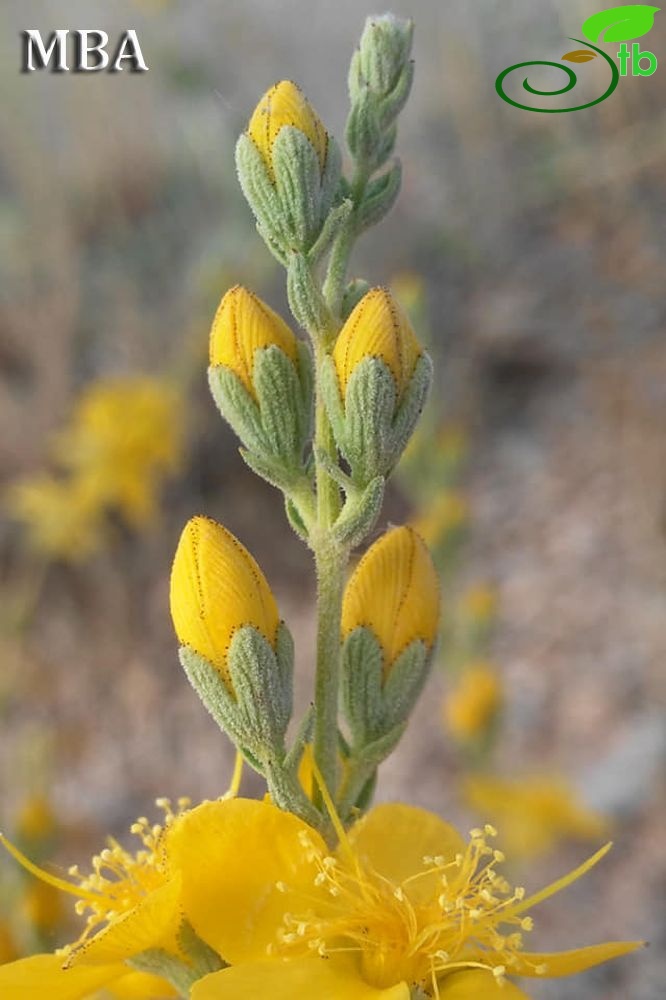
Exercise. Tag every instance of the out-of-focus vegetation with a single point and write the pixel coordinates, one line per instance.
(538, 475)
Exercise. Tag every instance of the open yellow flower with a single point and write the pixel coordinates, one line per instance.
(285, 104)
(394, 592)
(217, 587)
(534, 812)
(131, 903)
(62, 517)
(377, 328)
(402, 902)
(242, 326)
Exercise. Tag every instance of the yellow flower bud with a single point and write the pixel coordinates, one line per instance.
(472, 706)
(284, 104)
(377, 328)
(217, 587)
(394, 592)
(242, 326)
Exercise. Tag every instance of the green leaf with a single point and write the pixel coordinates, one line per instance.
(620, 24)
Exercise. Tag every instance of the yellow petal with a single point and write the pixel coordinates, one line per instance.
(394, 839)
(394, 591)
(147, 925)
(141, 986)
(284, 104)
(43, 976)
(325, 979)
(377, 328)
(477, 985)
(244, 324)
(567, 963)
(232, 854)
(216, 586)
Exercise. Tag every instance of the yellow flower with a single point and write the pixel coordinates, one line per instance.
(62, 517)
(125, 435)
(446, 514)
(479, 604)
(217, 587)
(534, 812)
(36, 820)
(394, 592)
(284, 104)
(472, 706)
(242, 326)
(402, 902)
(131, 902)
(377, 328)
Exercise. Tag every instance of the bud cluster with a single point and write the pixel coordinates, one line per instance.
(325, 422)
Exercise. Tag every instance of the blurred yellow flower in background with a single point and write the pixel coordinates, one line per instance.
(444, 516)
(535, 813)
(471, 708)
(479, 604)
(61, 517)
(124, 436)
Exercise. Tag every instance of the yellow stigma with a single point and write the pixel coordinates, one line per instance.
(455, 913)
(394, 591)
(473, 704)
(217, 587)
(284, 104)
(377, 328)
(242, 326)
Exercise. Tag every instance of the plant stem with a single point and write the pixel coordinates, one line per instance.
(330, 557)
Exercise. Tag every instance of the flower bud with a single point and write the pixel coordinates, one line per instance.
(374, 385)
(394, 591)
(242, 326)
(377, 328)
(289, 169)
(285, 104)
(216, 588)
(383, 51)
(390, 617)
(260, 376)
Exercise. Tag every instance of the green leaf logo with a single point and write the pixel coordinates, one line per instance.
(620, 24)
(580, 56)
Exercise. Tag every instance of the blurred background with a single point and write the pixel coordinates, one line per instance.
(530, 251)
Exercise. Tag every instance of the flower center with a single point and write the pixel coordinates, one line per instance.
(454, 913)
(120, 879)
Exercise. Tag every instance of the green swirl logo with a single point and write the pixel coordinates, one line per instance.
(619, 24)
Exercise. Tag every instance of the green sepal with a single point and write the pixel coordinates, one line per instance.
(359, 514)
(384, 51)
(297, 180)
(260, 192)
(262, 681)
(380, 197)
(405, 682)
(363, 129)
(336, 219)
(354, 292)
(201, 956)
(286, 415)
(361, 686)
(370, 404)
(238, 407)
(273, 471)
(412, 403)
(305, 299)
(218, 700)
(296, 520)
(392, 104)
(376, 706)
(255, 715)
